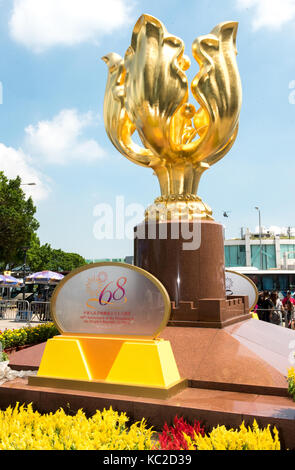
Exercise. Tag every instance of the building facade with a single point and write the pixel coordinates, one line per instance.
(271, 252)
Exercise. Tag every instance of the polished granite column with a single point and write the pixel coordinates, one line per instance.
(188, 258)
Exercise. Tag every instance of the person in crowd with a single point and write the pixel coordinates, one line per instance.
(276, 316)
(259, 306)
(267, 306)
(288, 298)
(289, 313)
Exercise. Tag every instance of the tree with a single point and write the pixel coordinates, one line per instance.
(18, 228)
(17, 222)
(38, 257)
(43, 257)
(66, 261)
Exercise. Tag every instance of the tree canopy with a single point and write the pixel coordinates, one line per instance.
(18, 227)
(43, 257)
(17, 222)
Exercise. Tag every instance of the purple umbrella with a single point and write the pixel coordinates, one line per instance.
(44, 276)
(9, 280)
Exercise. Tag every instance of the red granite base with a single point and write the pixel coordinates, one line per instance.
(193, 276)
(251, 356)
(235, 374)
(211, 407)
(27, 359)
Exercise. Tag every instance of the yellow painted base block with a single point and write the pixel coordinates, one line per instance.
(109, 388)
(110, 363)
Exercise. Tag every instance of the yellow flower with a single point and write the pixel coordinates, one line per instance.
(22, 428)
(291, 373)
(221, 438)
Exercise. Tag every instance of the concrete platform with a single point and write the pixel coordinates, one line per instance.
(15, 325)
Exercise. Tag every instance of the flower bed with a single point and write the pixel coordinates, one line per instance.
(251, 438)
(27, 336)
(22, 428)
(183, 436)
(173, 437)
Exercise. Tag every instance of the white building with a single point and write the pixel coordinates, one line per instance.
(269, 252)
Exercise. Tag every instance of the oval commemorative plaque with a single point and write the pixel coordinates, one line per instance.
(238, 284)
(114, 299)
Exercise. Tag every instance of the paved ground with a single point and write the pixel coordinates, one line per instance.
(12, 325)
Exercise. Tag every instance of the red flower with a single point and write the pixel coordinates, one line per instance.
(172, 438)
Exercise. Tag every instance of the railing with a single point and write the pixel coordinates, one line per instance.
(13, 309)
(22, 310)
(285, 317)
(40, 311)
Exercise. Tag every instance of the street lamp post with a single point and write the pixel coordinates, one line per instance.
(25, 249)
(260, 237)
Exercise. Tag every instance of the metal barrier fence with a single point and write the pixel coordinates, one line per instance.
(13, 309)
(285, 317)
(40, 311)
(22, 310)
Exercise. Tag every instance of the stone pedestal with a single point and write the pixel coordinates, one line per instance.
(188, 258)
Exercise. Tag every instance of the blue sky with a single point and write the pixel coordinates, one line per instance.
(51, 125)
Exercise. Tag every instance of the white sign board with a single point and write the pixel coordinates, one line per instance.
(111, 299)
(238, 284)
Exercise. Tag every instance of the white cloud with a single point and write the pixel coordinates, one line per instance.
(41, 24)
(16, 163)
(271, 14)
(60, 140)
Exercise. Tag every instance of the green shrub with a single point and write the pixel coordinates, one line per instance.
(28, 335)
(3, 356)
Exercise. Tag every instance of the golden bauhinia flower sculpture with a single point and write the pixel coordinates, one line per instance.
(147, 92)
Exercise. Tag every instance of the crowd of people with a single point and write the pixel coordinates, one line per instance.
(272, 309)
